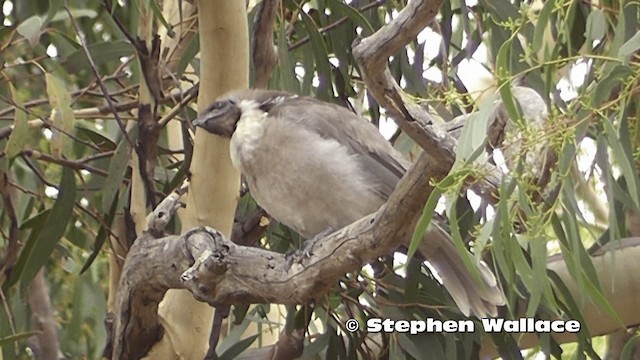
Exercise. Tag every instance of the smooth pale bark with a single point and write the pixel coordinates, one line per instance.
(138, 198)
(116, 257)
(616, 269)
(138, 205)
(212, 198)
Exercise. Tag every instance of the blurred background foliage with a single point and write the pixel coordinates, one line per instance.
(65, 180)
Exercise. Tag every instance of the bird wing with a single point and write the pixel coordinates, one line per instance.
(382, 164)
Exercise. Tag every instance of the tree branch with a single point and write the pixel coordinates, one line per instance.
(76, 165)
(45, 344)
(217, 271)
(94, 69)
(613, 264)
(372, 54)
(335, 24)
(264, 56)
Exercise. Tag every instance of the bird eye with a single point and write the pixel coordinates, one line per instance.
(221, 104)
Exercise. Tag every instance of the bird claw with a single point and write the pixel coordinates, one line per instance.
(299, 255)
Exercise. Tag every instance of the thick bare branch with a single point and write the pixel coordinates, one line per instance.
(372, 54)
(264, 55)
(45, 344)
(218, 271)
(130, 300)
(613, 264)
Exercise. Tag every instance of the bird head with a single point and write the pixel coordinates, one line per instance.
(221, 117)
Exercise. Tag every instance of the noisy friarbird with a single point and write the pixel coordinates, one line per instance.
(317, 167)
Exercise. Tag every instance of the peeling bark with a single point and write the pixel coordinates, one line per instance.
(217, 271)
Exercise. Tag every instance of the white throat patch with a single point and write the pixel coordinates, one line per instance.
(249, 130)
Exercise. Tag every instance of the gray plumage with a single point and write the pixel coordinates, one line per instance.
(318, 167)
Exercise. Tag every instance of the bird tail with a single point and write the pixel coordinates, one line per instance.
(480, 297)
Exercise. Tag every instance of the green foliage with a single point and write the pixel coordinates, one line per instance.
(19, 137)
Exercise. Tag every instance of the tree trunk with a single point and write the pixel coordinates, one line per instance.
(224, 53)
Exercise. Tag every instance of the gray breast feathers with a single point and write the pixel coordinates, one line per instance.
(381, 163)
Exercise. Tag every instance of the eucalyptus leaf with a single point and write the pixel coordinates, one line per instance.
(631, 46)
(31, 29)
(52, 230)
(20, 135)
(62, 117)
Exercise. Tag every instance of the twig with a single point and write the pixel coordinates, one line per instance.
(94, 69)
(335, 24)
(48, 124)
(183, 98)
(39, 174)
(188, 96)
(38, 102)
(9, 315)
(94, 157)
(76, 165)
(97, 218)
(221, 313)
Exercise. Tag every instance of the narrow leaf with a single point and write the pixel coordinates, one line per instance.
(31, 29)
(352, 14)
(17, 337)
(189, 53)
(62, 116)
(626, 164)
(237, 348)
(20, 135)
(101, 53)
(321, 57)
(460, 245)
(630, 348)
(286, 65)
(101, 237)
(52, 230)
(542, 32)
(596, 26)
(117, 169)
(425, 220)
(474, 132)
(630, 46)
(157, 12)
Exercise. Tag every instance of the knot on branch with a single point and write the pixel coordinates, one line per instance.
(209, 251)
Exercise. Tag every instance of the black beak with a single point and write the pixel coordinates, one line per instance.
(220, 118)
(199, 121)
